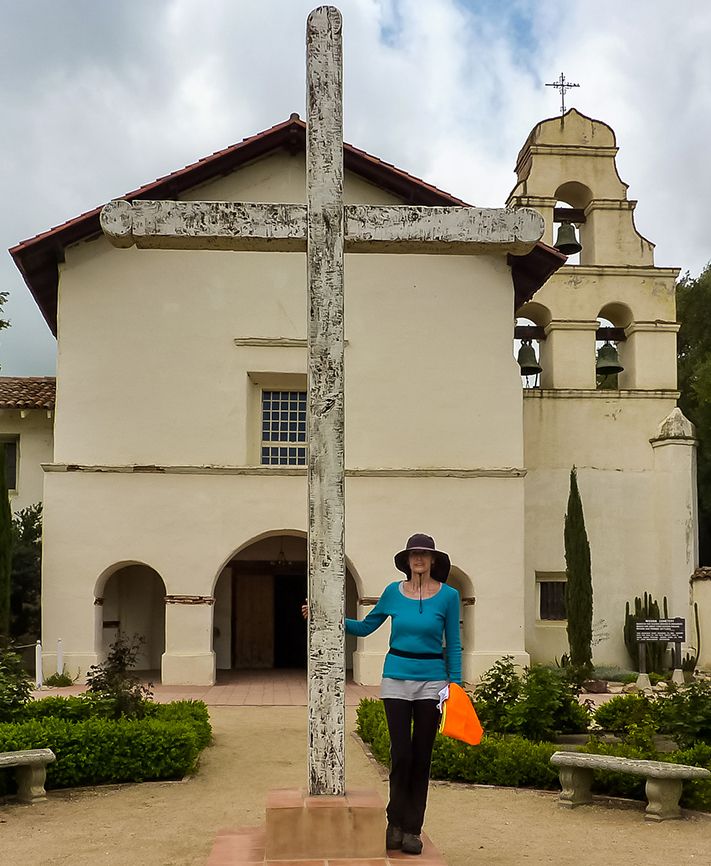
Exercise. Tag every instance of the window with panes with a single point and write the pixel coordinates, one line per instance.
(10, 463)
(283, 428)
(552, 600)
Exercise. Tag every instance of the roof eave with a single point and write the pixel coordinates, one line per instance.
(532, 271)
(37, 258)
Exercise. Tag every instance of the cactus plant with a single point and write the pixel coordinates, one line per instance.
(645, 608)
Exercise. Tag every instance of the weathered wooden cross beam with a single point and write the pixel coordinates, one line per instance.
(323, 228)
(218, 225)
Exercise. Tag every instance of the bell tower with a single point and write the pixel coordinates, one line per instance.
(606, 327)
(567, 171)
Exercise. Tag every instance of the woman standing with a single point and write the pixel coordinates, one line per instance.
(422, 610)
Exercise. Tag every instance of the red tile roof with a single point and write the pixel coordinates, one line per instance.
(37, 258)
(27, 392)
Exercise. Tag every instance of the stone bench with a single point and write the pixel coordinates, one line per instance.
(663, 788)
(30, 772)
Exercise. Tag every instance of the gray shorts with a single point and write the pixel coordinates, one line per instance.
(411, 690)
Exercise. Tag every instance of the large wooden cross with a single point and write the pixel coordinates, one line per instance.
(323, 228)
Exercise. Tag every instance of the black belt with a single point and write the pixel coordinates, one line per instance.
(404, 655)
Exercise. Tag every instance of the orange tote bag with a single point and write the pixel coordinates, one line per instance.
(459, 718)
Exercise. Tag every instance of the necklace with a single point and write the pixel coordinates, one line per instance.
(420, 592)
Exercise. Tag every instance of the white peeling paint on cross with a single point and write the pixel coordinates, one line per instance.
(323, 228)
(326, 471)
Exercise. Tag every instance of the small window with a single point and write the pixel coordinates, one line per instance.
(551, 594)
(283, 428)
(10, 463)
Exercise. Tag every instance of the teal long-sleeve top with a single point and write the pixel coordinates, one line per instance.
(417, 630)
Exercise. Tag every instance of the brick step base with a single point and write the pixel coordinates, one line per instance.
(246, 846)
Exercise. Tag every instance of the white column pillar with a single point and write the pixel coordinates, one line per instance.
(649, 356)
(677, 520)
(568, 355)
(188, 658)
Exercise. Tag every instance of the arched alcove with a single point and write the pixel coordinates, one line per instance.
(460, 581)
(258, 593)
(130, 599)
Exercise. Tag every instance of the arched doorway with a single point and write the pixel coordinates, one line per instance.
(463, 584)
(258, 597)
(131, 600)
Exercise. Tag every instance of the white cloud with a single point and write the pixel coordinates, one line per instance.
(100, 98)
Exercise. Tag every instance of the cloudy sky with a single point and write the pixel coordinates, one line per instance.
(98, 97)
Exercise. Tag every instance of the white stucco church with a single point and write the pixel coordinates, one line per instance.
(172, 462)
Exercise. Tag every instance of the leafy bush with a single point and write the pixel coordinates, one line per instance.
(97, 750)
(114, 678)
(60, 680)
(509, 761)
(696, 794)
(514, 761)
(685, 713)
(15, 686)
(622, 711)
(499, 690)
(537, 705)
(615, 674)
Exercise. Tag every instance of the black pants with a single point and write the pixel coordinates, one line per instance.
(412, 726)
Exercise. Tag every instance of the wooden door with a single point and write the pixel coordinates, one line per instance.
(253, 634)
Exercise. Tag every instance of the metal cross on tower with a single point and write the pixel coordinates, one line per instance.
(323, 228)
(562, 85)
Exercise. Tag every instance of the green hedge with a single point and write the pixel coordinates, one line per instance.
(82, 707)
(96, 751)
(511, 760)
(92, 747)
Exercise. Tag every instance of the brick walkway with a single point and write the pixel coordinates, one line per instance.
(279, 688)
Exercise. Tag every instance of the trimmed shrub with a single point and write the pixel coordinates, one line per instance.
(508, 761)
(96, 750)
(101, 706)
(514, 761)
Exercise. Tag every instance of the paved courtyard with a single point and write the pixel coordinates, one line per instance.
(256, 688)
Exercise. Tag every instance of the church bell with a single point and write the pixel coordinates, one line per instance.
(527, 360)
(608, 361)
(567, 241)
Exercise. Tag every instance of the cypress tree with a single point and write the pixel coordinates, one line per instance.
(5, 552)
(578, 587)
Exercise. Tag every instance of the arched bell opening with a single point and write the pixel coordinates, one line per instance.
(569, 219)
(130, 601)
(529, 335)
(257, 622)
(610, 342)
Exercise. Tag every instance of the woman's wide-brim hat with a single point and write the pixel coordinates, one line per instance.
(420, 541)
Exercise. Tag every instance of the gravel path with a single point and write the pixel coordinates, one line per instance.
(258, 748)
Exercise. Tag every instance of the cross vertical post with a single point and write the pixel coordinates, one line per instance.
(326, 505)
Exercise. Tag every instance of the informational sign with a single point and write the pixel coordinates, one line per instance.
(653, 630)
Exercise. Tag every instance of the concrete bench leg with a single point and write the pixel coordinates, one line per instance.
(575, 783)
(663, 799)
(30, 783)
